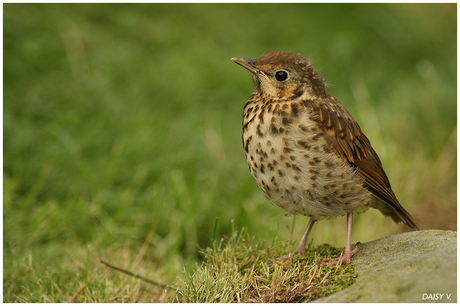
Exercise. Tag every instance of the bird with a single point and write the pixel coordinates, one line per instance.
(306, 152)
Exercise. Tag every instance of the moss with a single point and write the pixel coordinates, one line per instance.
(240, 271)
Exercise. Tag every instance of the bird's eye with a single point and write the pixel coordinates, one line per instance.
(281, 75)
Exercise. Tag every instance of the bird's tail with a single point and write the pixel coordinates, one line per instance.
(398, 214)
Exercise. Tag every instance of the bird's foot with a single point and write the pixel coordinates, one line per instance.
(299, 251)
(286, 257)
(344, 259)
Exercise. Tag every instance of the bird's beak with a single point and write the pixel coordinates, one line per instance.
(248, 64)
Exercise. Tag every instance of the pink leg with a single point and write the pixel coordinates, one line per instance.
(301, 248)
(347, 253)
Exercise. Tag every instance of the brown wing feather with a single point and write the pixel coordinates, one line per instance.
(348, 141)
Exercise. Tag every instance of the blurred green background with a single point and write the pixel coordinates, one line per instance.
(122, 128)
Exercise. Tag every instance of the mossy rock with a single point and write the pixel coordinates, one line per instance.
(410, 267)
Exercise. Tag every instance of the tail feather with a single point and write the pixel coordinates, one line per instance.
(397, 213)
(401, 215)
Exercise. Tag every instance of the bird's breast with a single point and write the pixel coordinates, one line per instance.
(293, 165)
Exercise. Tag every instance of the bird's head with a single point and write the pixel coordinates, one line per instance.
(283, 75)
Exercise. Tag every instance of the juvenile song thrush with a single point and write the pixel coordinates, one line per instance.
(305, 151)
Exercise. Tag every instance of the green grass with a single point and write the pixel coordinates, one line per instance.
(240, 270)
(122, 122)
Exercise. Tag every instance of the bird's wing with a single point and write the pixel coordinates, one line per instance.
(349, 142)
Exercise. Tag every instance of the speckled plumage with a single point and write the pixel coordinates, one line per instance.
(305, 151)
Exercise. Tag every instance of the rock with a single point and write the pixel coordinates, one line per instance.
(410, 267)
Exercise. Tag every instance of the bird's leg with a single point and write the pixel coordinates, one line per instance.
(301, 248)
(348, 252)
